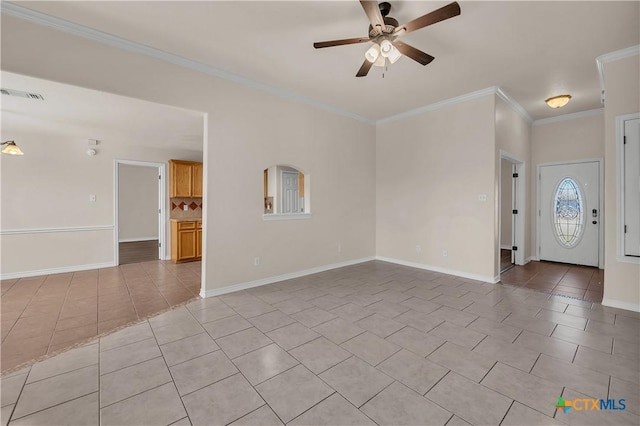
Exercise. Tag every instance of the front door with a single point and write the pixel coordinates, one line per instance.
(569, 212)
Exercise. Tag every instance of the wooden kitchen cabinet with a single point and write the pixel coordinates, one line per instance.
(199, 240)
(185, 178)
(186, 241)
(197, 173)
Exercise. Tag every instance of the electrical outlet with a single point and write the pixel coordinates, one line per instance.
(186, 208)
(445, 253)
(339, 247)
(418, 249)
(482, 197)
(92, 198)
(256, 261)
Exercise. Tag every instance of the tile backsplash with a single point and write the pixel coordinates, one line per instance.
(176, 205)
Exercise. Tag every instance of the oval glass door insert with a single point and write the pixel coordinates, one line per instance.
(568, 213)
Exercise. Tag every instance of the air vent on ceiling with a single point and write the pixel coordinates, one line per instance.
(21, 94)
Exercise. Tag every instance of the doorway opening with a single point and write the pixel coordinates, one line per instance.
(506, 221)
(139, 211)
(511, 212)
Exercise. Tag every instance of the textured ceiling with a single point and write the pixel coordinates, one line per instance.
(533, 50)
(83, 114)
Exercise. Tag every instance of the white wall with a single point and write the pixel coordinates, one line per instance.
(49, 187)
(622, 91)
(247, 131)
(430, 169)
(574, 139)
(513, 138)
(137, 203)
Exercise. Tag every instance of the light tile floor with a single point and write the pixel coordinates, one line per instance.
(369, 344)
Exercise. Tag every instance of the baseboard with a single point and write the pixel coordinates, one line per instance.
(134, 240)
(455, 272)
(531, 258)
(277, 278)
(612, 303)
(61, 270)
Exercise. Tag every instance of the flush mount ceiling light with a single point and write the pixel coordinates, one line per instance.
(558, 101)
(11, 148)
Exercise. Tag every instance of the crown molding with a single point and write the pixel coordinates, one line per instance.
(69, 27)
(514, 105)
(441, 104)
(572, 116)
(497, 91)
(610, 57)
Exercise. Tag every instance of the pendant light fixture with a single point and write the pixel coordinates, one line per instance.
(11, 148)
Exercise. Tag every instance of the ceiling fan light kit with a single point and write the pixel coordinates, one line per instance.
(558, 101)
(394, 55)
(384, 32)
(372, 53)
(385, 47)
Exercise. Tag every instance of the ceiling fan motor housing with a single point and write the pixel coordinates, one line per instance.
(385, 8)
(390, 25)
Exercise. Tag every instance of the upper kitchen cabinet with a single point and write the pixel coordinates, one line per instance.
(185, 179)
(197, 171)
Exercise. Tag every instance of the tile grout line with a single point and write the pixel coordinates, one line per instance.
(169, 371)
(60, 374)
(257, 393)
(19, 396)
(52, 406)
(66, 295)
(507, 412)
(30, 299)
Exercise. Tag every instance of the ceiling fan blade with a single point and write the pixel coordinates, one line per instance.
(372, 10)
(445, 12)
(415, 54)
(321, 44)
(364, 69)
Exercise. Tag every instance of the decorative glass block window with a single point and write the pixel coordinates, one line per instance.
(568, 213)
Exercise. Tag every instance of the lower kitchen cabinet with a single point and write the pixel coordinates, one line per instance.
(199, 240)
(186, 241)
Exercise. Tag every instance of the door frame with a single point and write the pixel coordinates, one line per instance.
(620, 120)
(162, 226)
(600, 162)
(518, 222)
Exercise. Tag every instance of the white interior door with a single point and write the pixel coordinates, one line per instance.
(569, 213)
(290, 199)
(631, 187)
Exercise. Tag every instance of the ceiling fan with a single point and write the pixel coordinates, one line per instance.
(384, 32)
